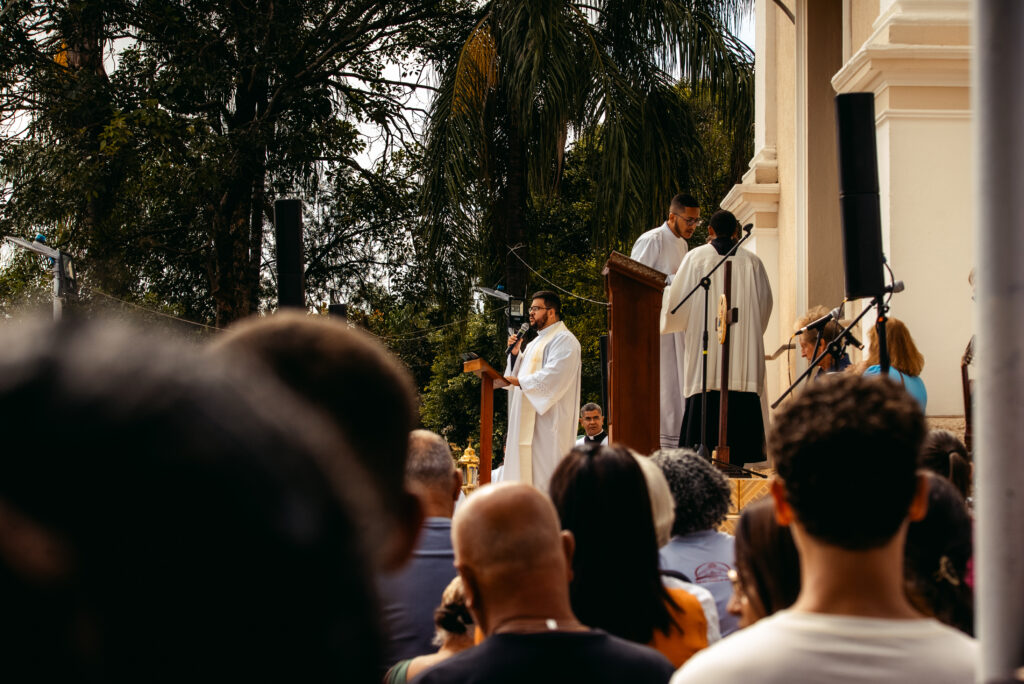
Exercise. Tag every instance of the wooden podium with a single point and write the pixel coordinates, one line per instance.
(490, 380)
(634, 352)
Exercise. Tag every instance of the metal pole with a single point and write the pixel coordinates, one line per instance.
(58, 289)
(998, 104)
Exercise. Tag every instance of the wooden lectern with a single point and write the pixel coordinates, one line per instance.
(634, 352)
(490, 380)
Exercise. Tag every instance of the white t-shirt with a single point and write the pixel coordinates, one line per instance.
(797, 647)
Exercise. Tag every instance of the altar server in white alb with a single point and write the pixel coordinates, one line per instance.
(544, 405)
(752, 295)
(663, 249)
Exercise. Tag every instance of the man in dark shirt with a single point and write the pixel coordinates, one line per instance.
(410, 596)
(515, 566)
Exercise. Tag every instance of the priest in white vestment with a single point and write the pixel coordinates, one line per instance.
(752, 296)
(544, 403)
(663, 249)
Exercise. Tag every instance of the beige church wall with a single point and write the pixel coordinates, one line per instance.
(824, 255)
(912, 54)
(784, 290)
(861, 16)
(926, 183)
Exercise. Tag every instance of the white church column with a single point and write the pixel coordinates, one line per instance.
(999, 107)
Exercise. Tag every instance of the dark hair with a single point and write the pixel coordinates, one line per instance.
(199, 509)
(700, 491)
(724, 224)
(766, 559)
(943, 453)
(452, 617)
(551, 300)
(616, 585)
(344, 372)
(590, 406)
(936, 555)
(682, 201)
(841, 420)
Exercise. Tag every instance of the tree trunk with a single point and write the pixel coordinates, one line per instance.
(513, 215)
(238, 223)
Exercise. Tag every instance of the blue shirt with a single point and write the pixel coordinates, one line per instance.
(706, 558)
(410, 596)
(912, 383)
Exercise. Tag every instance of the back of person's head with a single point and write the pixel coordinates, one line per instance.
(601, 497)
(363, 388)
(163, 515)
(452, 620)
(724, 224)
(700, 492)
(551, 300)
(506, 539)
(936, 556)
(846, 451)
(431, 471)
(903, 353)
(945, 454)
(663, 508)
(767, 562)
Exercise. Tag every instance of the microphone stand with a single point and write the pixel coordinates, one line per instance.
(835, 346)
(705, 282)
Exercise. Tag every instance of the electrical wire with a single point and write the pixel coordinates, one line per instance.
(512, 250)
(155, 312)
(427, 332)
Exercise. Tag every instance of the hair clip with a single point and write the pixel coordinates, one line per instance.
(947, 572)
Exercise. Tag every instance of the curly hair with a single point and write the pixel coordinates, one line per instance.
(700, 491)
(846, 450)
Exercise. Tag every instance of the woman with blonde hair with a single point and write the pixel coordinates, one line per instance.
(905, 361)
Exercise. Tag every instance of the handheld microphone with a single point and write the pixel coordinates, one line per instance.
(749, 227)
(820, 323)
(519, 335)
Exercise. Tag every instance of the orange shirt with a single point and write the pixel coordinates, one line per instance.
(679, 644)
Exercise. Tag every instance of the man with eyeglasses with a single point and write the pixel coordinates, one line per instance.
(663, 249)
(543, 408)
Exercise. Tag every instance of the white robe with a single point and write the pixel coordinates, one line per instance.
(751, 294)
(554, 393)
(660, 249)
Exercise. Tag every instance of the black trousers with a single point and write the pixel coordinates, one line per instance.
(746, 425)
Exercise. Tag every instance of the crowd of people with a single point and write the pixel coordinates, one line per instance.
(262, 507)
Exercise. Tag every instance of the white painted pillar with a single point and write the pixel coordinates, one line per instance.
(998, 103)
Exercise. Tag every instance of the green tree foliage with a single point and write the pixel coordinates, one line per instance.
(160, 173)
(534, 74)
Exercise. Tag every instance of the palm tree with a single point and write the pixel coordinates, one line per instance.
(531, 76)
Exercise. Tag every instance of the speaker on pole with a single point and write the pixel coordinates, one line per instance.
(858, 195)
(291, 290)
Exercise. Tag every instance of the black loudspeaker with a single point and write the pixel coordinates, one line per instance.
(858, 195)
(291, 290)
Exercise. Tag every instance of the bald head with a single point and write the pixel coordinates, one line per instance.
(506, 528)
